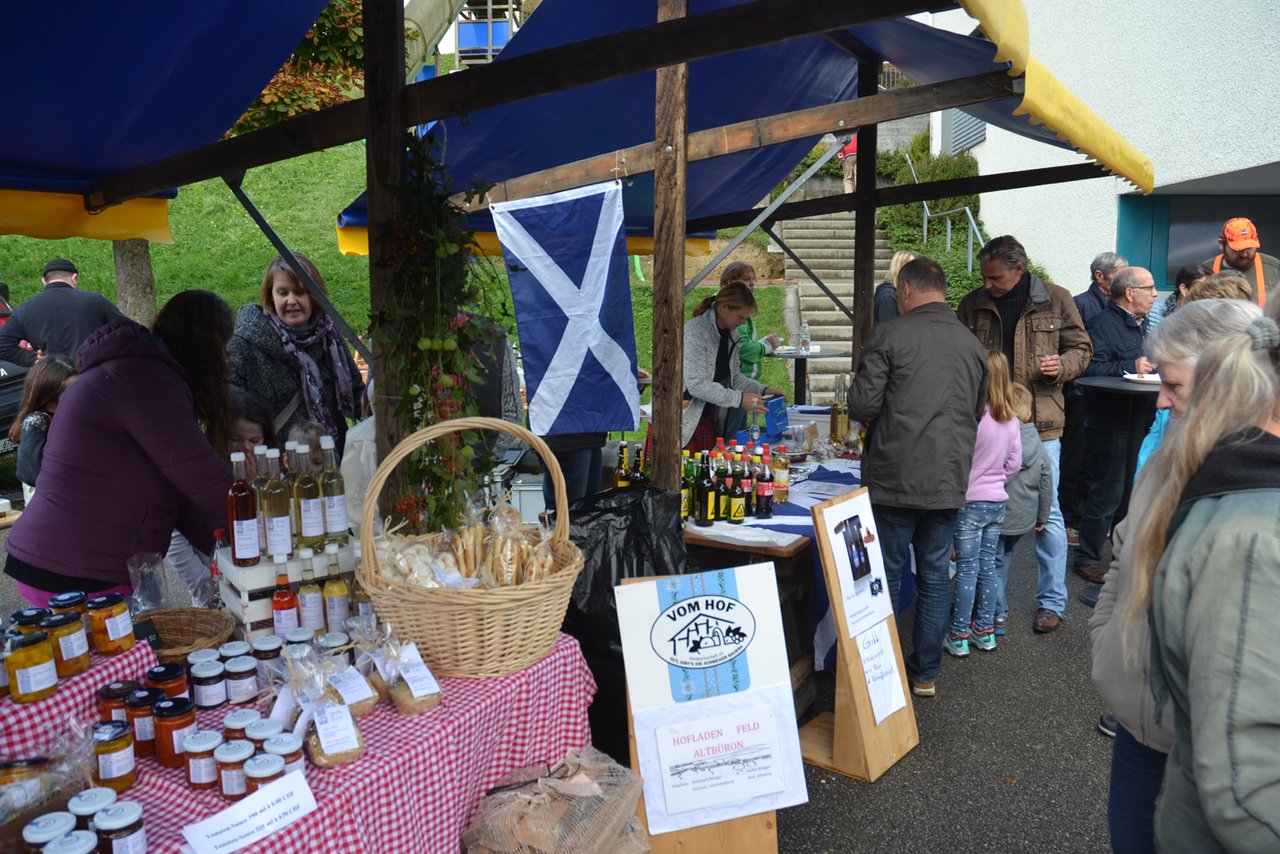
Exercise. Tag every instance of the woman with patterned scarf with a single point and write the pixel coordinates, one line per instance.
(288, 351)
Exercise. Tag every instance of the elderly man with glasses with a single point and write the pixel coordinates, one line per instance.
(1117, 333)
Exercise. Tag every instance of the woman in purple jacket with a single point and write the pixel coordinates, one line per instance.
(128, 459)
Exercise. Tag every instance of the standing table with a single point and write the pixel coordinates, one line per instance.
(1137, 398)
(802, 365)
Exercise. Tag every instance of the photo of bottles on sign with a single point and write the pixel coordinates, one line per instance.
(855, 553)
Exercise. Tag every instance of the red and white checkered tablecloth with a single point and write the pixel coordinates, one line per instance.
(420, 778)
(26, 729)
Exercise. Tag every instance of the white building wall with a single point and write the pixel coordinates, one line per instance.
(1191, 90)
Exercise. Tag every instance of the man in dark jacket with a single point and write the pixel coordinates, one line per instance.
(920, 389)
(1117, 334)
(56, 320)
(1036, 325)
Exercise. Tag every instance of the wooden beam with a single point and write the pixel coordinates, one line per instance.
(758, 133)
(671, 128)
(385, 164)
(864, 226)
(645, 48)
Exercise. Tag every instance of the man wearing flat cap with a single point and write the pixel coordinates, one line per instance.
(1241, 252)
(56, 320)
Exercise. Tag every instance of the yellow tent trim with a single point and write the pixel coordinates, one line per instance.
(1005, 23)
(354, 240)
(53, 216)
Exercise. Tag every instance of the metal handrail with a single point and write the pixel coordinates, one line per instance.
(971, 225)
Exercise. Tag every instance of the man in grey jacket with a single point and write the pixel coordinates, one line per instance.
(920, 389)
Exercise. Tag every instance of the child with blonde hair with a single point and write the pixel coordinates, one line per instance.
(996, 455)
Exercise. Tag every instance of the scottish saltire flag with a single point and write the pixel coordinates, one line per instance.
(566, 257)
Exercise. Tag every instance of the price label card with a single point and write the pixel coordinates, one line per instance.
(336, 729)
(271, 808)
(419, 679)
(351, 685)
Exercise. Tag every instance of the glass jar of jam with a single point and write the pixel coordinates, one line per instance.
(70, 643)
(110, 626)
(85, 805)
(29, 664)
(39, 832)
(234, 723)
(289, 747)
(209, 684)
(120, 828)
(231, 757)
(299, 635)
(111, 699)
(75, 842)
(175, 720)
(266, 649)
(262, 770)
(139, 711)
(71, 603)
(233, 649)
(4, 652)
(169, 678)
(113, 748)
(259, 731)
(242, 679)
(330, 642)
(202, 768)
(28, 619)
(200, 656)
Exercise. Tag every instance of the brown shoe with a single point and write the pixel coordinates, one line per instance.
(1090, 572)
(1046, 621)
(1073, 537)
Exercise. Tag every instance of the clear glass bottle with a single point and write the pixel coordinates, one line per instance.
(275, 509)
(242, 514)
(361, 601)
(337, 596)
(337, 526)
(308, 500)
(259, 481)
(310, 596)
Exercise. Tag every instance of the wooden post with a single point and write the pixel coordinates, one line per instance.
(864, 229)
(670, 138)
(385, 167)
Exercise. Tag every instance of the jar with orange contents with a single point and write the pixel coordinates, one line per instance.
(70, 643)
(113, 749)
(262, 770)
(28, 619)
(29, 664)
(71, 603)
(4, 652)
(169, 678)
(175, 720)
(139, 709)
(110, 626)
(202, 768)
(111, 699)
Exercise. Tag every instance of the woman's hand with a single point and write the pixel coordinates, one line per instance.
(773, 392)
(752, 402)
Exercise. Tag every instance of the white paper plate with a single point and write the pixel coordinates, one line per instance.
(1147, 379)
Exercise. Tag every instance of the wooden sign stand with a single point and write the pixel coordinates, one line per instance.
(848, 741)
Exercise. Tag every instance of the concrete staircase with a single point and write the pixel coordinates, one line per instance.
(825, 244)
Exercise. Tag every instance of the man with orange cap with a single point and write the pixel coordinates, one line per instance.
(1239, 244)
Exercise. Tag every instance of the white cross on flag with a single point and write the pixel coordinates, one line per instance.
(566, 257)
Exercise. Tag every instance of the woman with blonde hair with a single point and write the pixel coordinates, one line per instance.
(713, 378)
(886, 298)
(750, 350)
(1206, 579)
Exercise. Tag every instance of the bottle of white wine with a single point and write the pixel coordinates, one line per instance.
(275, 509)
(337, 526)
(310, 597)
(306, 493)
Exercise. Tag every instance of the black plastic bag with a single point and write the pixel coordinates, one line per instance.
(633, 532)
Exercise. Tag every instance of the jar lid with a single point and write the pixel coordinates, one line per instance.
(241, 664)
(233, 751)
(298, 650)
(106, 600)
(173, 707)
(300, 635)
(34, 764)
(56, 621)
(118, 816)
(90, 801)
(117, 690)
(67, 600)
(332, 640)
(29, 616)
(232, 649)
(207, 670)
(165, 673)
(108, 731)
(264, 765)
(143, 698)
(202, 655)
(268, 643)
(48, 827)
(201, 742)
(283, 744)
(263, 729)
(241, 718)
(27, 640)
(75, 842)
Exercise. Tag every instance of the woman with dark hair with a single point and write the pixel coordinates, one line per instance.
(1187, 275)
(127, 460)
(287, 351)
(41, 390)
(713, 378)
(251, 426)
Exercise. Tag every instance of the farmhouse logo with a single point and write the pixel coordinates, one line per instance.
(702, 632)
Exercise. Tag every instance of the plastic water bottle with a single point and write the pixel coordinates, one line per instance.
(805, 337)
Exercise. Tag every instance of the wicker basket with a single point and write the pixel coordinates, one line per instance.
(184, 630)
(473, 633)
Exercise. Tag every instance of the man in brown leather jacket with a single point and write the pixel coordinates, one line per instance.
(1036, 325)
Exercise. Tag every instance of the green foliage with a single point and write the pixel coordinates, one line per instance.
(831, 167)
(758, 237)
(929, 168)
